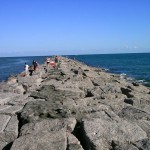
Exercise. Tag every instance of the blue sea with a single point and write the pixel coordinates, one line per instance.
(134, 66)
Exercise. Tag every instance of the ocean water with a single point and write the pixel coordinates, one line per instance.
(14, 65)
(134, 66)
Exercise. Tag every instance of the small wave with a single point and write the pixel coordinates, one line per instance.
(105, 69)
(141, 81)
(130, 79)
(123, 74)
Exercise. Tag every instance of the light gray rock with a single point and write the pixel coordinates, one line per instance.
(4, 119)
(42, 140)
(6, 97)
(73, 143)
(2, 144)
(11, 130)
(66, 124)
(133, 113)
(11, 110)
(3, 107)
(19, 89)
(21, 100)
(100, 133)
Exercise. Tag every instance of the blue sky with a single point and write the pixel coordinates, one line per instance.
(55, 27)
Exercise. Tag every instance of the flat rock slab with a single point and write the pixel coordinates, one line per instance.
(41, 140)
(100, 133)
(6, 97)
(3, 107)
(2, 145)
(4, 119)
(4, 100)
(9, 128)
(67, 124)
(11, 110)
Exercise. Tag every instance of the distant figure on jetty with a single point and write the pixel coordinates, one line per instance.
(26, 68)
(35, 65)
(56, 59)
(53, 64)
(31, 70)
(47, 61)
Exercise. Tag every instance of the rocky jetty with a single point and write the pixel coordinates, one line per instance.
(73, 107)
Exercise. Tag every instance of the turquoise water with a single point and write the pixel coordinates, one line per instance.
(135, 66)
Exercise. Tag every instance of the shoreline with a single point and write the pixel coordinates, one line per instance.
(73, 107)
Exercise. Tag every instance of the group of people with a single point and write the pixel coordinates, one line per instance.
(51, 62)
(30, 69)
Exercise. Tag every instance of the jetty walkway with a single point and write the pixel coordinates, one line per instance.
(73, 107)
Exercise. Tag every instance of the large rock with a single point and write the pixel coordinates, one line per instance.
(133, 113)
(41, 140)
(48, 134)
(67, 124)
(100, 133)
(12, 110)
(9, 128)
(73, 143)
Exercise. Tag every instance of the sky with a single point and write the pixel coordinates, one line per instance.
(65, 27)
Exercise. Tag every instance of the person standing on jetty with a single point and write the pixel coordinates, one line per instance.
(56, 59)
(47, 61)
(35, 65)
(26, 68)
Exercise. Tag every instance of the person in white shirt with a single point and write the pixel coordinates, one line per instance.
(26, 67)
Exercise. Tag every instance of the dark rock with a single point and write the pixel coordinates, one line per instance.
(143, 144)
(128, 101)
(126, 91)
(135, 83)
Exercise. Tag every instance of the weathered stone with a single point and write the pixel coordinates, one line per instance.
(11, 80)
(3, 107)
(133, 113)
(145, 125)
(11, 130)
(73, 143)
(67, 124)
(4, 119)
(127, 146)
(19, 89)
(2, 145)
(99, 132)
(143, 144)
(11, 110)
(41, 140)
(6, 97)
(21, 100)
